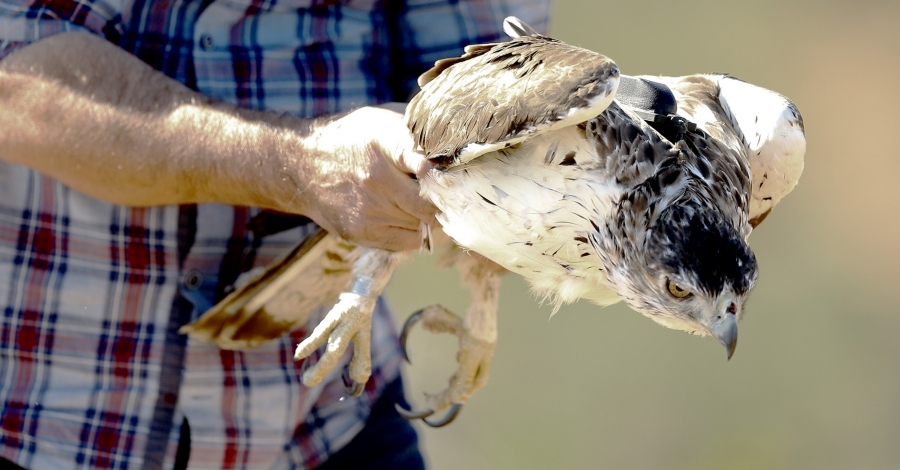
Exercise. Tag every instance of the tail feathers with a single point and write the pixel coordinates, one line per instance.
(281, 297)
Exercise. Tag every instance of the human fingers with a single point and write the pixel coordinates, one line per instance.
(393, 238)
(395, 139)
(386, 237)
(420, 208)
(410, 161)
(415, 163)
(405, 193)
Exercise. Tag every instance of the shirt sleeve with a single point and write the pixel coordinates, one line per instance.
(429, 30)
(25, 21)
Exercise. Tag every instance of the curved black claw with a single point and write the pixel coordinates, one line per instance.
(411, 415)
(354, 389)
(447, 419)
(307, 363)
(404, 333)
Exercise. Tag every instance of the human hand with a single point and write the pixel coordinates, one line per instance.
(360, 174)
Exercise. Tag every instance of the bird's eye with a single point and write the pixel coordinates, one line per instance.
(677, 291)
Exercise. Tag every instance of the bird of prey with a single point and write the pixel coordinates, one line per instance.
(553, 165)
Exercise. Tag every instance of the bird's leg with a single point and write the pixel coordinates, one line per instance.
(351, 320)
(477, 337)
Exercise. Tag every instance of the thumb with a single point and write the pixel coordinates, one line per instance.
(414, 163)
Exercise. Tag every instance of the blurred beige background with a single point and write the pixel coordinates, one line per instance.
(815, 382)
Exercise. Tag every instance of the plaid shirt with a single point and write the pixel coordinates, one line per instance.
(93, 373)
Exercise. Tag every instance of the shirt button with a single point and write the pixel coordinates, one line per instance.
(192, 280)
(206, 42)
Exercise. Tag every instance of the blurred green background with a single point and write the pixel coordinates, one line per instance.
(815, 382)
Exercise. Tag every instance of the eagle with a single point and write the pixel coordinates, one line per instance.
(553, 165)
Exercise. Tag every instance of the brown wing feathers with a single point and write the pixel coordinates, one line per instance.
(442, 64)
(496, 92)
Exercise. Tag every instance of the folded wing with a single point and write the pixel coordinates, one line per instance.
(497, 95)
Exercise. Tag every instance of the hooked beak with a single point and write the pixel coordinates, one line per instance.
(726, 332)
(724, 328)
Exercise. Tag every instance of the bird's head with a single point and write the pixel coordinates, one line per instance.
(690, 270)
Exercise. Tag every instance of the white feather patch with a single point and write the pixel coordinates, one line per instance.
(775, 140)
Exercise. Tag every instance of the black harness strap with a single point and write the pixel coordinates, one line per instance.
(655, 103)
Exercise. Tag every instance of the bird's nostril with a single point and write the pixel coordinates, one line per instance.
(732, 308)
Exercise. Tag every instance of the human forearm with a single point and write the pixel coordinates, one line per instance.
(91, 115)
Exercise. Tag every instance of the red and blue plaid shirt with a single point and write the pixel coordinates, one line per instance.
(93, 373)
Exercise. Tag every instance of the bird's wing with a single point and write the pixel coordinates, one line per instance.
(272, 302)
(497, 95)
(773, 132)
(767, 125)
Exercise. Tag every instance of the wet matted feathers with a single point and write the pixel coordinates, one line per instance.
(542, 172)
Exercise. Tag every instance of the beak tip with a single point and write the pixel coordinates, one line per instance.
(727, 333)
(730, 346)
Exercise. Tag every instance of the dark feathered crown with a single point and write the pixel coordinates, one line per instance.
(703, 246)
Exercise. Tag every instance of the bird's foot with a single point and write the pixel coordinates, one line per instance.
(349, 320)
(474, 358)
